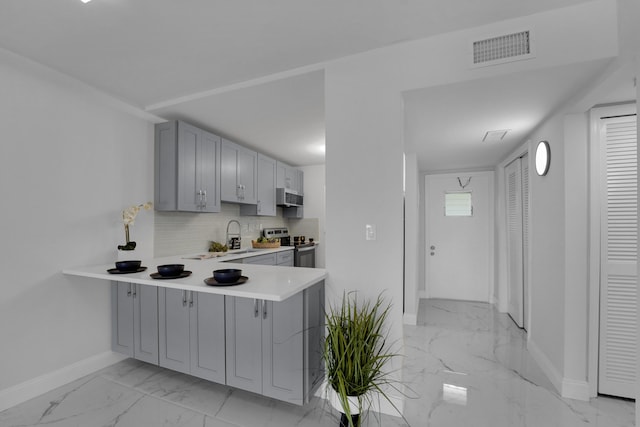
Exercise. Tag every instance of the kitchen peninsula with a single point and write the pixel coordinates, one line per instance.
(263, 336)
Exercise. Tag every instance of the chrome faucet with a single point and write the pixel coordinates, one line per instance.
(234, 240)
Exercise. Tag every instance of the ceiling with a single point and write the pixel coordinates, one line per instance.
(192, 59)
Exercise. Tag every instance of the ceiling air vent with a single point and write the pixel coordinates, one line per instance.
(497, 50)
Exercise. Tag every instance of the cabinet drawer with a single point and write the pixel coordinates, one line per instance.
(284, 258)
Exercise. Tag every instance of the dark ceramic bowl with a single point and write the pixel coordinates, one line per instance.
(128, 265)
(227, 275)
(170, 269)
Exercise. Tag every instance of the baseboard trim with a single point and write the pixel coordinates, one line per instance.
(574, 389)
(22, 392)
(545, 364)
(410, 319)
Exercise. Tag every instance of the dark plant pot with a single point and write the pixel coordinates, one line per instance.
(344, 421)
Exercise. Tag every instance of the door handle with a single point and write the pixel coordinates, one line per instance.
(184, 298)
(264, 309)
(255, 308)
(190, 298)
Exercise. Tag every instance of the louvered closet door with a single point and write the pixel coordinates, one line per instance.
(515, 306)
(619, 236)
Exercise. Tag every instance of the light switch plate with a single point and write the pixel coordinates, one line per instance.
(370, 232)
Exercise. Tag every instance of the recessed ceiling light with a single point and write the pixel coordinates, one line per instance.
(85, 1)
(495, 135)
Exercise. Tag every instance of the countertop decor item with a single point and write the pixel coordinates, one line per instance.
(170, 269)
(211, 281)
(227, 275)
(128, 217)
(356, 354)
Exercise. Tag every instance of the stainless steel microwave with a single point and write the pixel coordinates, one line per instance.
(286, 197)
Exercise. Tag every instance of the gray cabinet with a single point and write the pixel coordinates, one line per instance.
(266, 202)
(187, 168)
(264, 346)
(285, 258)
(238, 173)
(192, 337)
(275, 348)
(134, 321)
(266, 259)
(289, 177)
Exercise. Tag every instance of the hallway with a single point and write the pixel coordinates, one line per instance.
(467, 363)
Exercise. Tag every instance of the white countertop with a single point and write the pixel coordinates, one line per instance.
(273, 283)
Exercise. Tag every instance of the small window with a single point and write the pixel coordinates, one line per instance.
(458, 204)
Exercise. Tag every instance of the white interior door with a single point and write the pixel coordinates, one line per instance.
(459, 253)
(619, 255)
(515, 244)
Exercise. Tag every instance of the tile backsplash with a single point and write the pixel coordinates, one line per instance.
(180, 233)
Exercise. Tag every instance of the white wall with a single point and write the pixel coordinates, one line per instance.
(412, 227)
(70, 161)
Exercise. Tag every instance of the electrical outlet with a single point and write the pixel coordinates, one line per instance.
(370, 232)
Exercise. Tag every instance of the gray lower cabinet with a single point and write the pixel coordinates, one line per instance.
(192, 333)
(134, 321)
(266, 259)
(285, 258)
(274, 348)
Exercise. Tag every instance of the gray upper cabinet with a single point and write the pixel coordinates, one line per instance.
(134, 321)
(239, 174)
(266, 202)
(191, 330)
(187, 168)
(289, 177)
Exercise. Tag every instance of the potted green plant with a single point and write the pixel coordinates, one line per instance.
(355, 355)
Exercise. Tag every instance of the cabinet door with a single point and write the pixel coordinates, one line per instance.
(165, 166)
(189, 138)
(208, 337)
(266, 186)
(244, 343)
(247, 175)
(174, 329)
(145, 314)
(281, 173)
(285, 258)
(209, 161)
(122, 318)
(229, 191)
(282, 349)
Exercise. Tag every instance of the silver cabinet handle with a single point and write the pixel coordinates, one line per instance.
(184, 298)
(204, 201)
(135, 290)
(264, 309)
(255, 308)
(129, 291)
(190, 298)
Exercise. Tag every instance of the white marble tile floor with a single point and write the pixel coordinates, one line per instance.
(466, 364)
